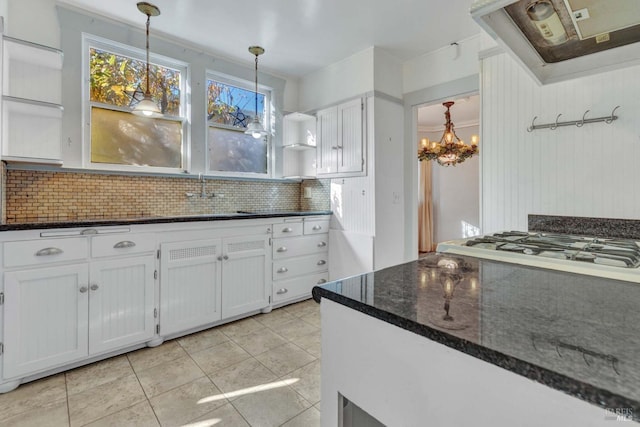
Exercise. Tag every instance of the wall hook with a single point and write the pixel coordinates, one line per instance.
(612, 117)
(555, 125)
(581, 122)
(533, 124)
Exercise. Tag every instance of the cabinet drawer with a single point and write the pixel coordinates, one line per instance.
(44, 251)
(122, 244)
(297, 246)
(287, 229)
(297, 287)
(292, 267)
(316, 227)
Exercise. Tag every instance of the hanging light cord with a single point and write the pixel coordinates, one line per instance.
(256, 97)
(148, 21)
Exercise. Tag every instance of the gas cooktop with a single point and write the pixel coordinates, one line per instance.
(606, 257)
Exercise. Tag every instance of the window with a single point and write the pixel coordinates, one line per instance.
(116, 82)
(230, 107)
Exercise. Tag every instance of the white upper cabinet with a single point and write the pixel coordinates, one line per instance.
(299, 145)
(341, 139)
(31, 102)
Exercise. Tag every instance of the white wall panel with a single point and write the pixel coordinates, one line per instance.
(586, 171)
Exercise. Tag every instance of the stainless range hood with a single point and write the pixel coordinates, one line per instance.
(558, 40)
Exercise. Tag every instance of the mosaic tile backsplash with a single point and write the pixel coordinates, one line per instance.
(38, 196)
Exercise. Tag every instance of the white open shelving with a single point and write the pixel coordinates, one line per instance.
(31, 102)
(299, 146)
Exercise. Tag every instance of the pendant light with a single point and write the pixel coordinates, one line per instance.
(147, 107)
(255, 128)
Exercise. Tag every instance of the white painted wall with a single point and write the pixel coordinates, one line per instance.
(455, 190)
(587, 171)
(387, 73)
(443, 65)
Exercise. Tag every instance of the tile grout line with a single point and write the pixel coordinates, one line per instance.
(66, 392)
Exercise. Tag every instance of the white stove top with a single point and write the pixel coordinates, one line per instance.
(611, 258)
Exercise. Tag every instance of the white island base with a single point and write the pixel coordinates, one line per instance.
(404, 379)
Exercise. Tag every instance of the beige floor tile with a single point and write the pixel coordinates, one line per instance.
(276, 317)
(150, 357)
(187, 402)
(105, 399)
(309, 418)
(169, 375)
(241, 327)
(202, 340)
(311, 343)
(294, 329)
(308, 384)
(53, 414)
(32, 396)
(285, 359)
(226, 416)
(303, 308)
(312, 318)
(260, 341)
(105, 371)
(140, 415)
(215, 358)
(272, 407)
(318, 406)
(244, 376)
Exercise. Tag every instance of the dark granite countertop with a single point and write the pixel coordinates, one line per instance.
(577, 334)
(158, 219)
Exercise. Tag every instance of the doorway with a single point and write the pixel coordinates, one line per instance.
(449, 196)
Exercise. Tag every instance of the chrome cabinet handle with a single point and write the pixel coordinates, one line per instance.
(283, 270)
(335, 147)
(268, 230)
(94, 287)
(322, 244)
(124, 244)
(49, 251)
(282, 249)
(282, 291)
(321, 281)
(83, 289)
(89, 232)
(226, 257)
(322, 262)
(316, 228)
(219, 257)
(287, 230)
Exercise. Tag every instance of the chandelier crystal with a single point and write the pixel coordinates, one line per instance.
(451, 150)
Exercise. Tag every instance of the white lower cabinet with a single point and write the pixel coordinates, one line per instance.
(57, 315)
(190, 277)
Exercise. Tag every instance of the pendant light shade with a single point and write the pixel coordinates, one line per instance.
(147, 107)
(255, 128)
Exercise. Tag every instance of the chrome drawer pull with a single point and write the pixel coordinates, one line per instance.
(282, 249)
(287, 230)
(49, 251)
(283, 270)
(89, 232)
(321, 281)
(316, 228)
(322, 262)
(219, 258)
(282, 291)
(322, 244)
(83, 289)
(94, 287)
(225, 257)
(124, 244)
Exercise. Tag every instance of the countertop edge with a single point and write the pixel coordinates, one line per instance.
(581, 390)
(155, 220)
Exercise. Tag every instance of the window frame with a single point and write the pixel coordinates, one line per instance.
(266, 122)
(91, 41)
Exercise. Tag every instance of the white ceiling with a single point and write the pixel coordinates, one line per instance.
(301, 36)
(465, 111)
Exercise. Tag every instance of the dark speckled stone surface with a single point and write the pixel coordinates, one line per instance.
(602, 227)
(158, 220)
(577, 334)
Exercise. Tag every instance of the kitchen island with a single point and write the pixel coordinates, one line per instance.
(455, 340)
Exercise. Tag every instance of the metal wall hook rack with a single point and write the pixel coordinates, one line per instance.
(578, 123)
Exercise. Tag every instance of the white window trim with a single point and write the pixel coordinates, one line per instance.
(88, 41)
(244, 84)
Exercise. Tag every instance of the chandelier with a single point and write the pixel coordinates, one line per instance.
(147, 107)
(451, 150)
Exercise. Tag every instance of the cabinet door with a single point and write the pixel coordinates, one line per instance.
(45, 318)
(245, 274)
(327, 149)
(121, 303)
(190, 276)
(350, 136)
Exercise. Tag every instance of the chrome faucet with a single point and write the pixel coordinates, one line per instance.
(203, 183)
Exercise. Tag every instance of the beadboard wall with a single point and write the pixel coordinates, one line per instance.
(589, 171)
(45, 196)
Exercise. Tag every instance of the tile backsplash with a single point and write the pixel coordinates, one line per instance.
(46, 196)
